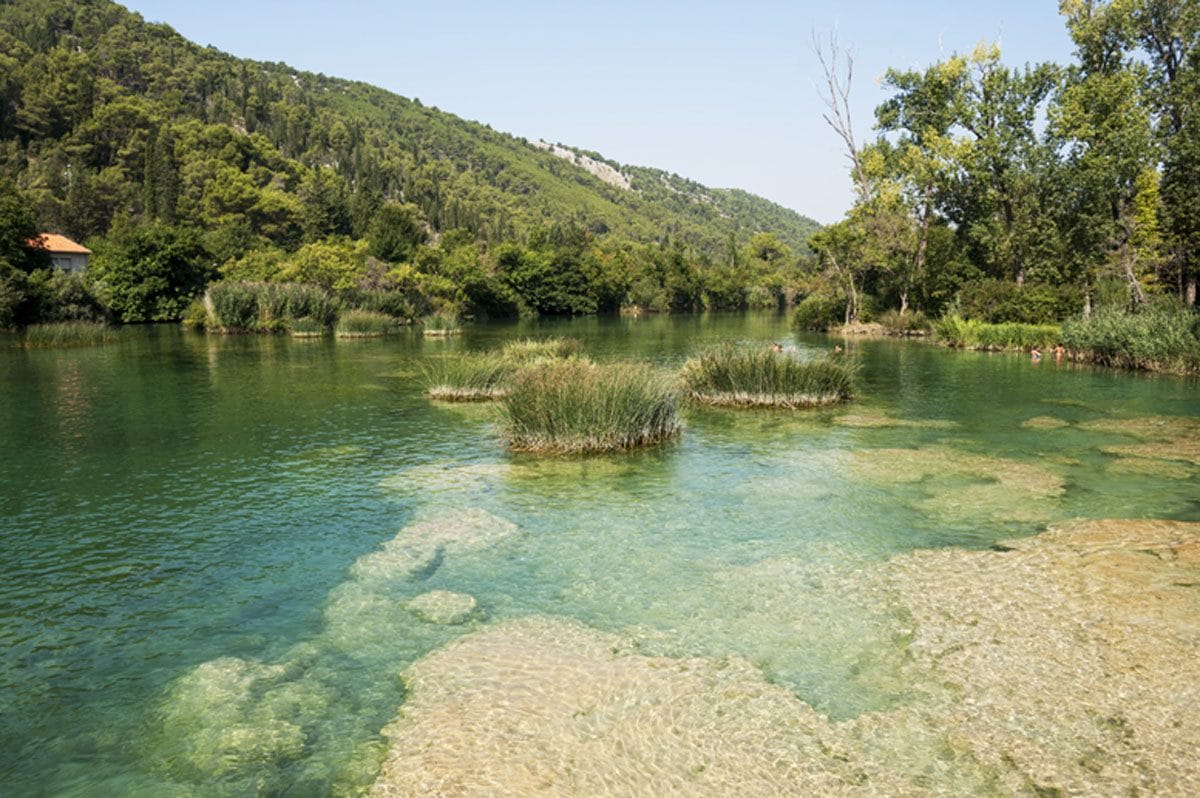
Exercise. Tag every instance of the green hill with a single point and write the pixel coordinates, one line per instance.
(181, 165)
(103, 114)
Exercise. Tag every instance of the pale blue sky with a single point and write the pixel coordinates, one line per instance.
(723, 93)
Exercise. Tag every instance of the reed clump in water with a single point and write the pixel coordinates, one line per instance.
(468, 378)
(576, 406)
(441, 324)
(68, 333)
(743, 377)
(482, 377)
(527, 350)
(364, 324)
(307, 327)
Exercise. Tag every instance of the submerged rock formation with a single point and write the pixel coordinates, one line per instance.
(1045, 422)
(548, 707)
(291, 725)
(443, 607)
(1067, 663)
(880, 420)
(964, 486)
(1071, 661)
(419, 548)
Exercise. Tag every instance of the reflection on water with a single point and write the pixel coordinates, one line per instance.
(193, 534)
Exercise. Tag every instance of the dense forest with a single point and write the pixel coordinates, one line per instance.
(1024, 194)
(180, 165)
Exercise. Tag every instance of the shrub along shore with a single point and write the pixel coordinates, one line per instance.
(1162, 337)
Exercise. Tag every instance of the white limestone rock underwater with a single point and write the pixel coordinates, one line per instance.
(219, 720)
(1063, 664)
(443, 607)
(420, 547)
(370, 609)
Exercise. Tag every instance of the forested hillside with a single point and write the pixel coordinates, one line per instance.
(110, 124)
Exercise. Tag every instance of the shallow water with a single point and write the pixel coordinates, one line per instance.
(190, 529)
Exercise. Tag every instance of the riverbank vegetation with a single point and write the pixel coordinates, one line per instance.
(576, 406)
(1031, 195)
(1157, 339)
(307, 327)
(997, 194)
(759, 377)
(955, 331)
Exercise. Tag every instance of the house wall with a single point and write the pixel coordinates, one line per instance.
(69, 262)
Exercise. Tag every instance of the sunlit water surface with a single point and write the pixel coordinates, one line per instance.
(175, 500)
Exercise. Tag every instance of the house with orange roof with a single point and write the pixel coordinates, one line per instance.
(65, 254)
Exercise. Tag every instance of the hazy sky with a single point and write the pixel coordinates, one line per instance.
(724, 93)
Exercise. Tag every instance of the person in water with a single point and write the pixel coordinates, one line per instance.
(776, 347)
(837, 349)
(1059, 351)
(1035, 354)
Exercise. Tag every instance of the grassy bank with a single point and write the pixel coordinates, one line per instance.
(576, 406)
(1155, 339)
(759, 377)
(911, 323)
(237, 307)
(961, 333)
(301, 309)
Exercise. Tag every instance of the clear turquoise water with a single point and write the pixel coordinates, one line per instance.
(175, 499)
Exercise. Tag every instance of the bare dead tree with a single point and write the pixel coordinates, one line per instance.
(837, 64)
